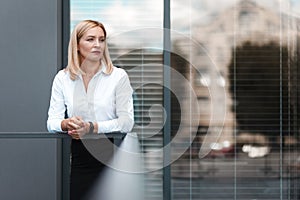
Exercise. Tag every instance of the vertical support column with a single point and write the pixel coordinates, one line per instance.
(66, 151)
(65, 31)
(167, 103)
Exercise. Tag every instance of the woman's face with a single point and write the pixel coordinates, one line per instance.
(92, 44)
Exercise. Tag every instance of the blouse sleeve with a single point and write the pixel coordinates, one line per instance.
(56, 112)
(124, 109)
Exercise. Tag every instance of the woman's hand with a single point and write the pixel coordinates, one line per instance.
(72, 123)
(80, 132)
(75, 126)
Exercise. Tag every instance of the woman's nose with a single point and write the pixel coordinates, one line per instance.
(97, 43)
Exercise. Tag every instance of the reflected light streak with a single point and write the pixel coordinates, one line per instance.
(116, 184)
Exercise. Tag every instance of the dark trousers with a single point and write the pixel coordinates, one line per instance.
(87, 164)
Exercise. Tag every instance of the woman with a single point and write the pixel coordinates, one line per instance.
(95, 96)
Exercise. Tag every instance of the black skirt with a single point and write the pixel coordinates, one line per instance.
(86, 169)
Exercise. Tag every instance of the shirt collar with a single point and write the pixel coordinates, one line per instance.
(102, 69)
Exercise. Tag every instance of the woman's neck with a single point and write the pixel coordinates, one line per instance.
(90, 68)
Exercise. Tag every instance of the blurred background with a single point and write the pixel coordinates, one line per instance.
(218, 81)
(240, 58)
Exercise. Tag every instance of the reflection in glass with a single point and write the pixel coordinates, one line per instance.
(239, 57)
(135, 36)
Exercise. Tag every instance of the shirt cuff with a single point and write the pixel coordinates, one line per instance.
(54, 126)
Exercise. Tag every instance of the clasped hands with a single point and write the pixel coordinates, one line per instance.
(75, 126)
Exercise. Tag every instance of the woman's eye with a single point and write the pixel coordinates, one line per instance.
(90, 39)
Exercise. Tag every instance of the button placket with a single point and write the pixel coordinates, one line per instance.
(90, 95)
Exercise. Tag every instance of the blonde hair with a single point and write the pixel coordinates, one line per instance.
(74, 60)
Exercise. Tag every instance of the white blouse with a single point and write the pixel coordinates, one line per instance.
(107, 101)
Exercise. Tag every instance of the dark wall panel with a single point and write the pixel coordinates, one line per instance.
(30, 54)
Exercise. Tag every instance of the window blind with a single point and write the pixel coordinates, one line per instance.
(138, 50)
(254, 156)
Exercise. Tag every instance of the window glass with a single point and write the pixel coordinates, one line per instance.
(135, 36)
(241, 74)
(234, 103)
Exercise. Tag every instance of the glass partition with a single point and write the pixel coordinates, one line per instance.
(135, 40)
(234, 92)
(240, 58)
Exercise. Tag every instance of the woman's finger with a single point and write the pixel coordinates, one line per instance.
(73, 125)
(78, 121)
